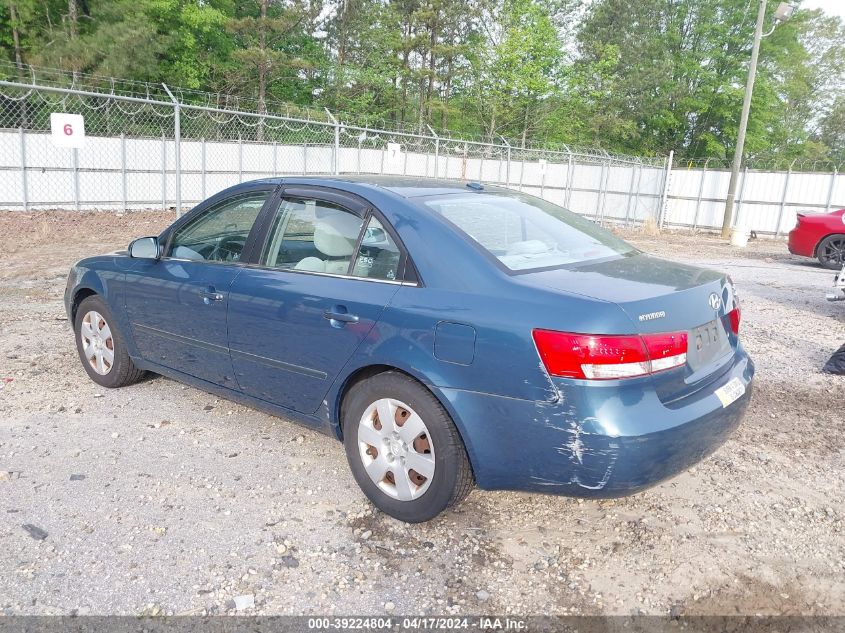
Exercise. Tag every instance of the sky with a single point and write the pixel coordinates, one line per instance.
(832, 7)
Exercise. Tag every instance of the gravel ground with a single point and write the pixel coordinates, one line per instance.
(159, 498)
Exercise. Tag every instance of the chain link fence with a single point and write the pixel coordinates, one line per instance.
(770, 193)
(149, 146)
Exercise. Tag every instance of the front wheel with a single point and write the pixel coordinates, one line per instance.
(101, 345)
(831, 252)
(403, 448)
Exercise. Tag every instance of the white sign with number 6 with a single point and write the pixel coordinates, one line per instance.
(68, 129)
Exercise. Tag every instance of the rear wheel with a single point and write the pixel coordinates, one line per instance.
(101, 346)
(403, 448)
(831, 252)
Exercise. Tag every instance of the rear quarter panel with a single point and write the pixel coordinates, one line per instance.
(833, 224)
(813, 228)
(504, 361)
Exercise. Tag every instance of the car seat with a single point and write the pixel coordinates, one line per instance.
(335, 235)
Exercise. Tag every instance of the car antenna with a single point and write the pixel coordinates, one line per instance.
(477, 186)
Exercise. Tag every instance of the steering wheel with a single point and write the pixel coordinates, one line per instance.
(228, 249)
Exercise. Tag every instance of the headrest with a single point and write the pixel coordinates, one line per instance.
(335, 235)
(312, 264)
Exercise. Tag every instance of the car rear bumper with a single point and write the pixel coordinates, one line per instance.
(801, 243)
(596, 441)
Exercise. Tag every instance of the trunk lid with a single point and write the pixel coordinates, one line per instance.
(661, 296)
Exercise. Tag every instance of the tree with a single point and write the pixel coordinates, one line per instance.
(114, 39)
(514, 77)
(363, 77)
(197, 45)
(263, 35)
(680, 70)
(810, 63)
(641, 77)
(16, 36)
(831, 131)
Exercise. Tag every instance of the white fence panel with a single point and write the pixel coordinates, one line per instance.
(219, 148)
(116, 172)
(837, 193)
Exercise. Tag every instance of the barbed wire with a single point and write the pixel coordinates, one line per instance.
(771, 163)
(146, 109)
(56, 78)
(244, 111)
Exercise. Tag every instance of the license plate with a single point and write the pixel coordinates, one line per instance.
(731, 392)
(708, 343)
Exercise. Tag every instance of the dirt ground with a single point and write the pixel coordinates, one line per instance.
(159, 498)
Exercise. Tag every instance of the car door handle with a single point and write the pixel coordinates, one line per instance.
(210, 295)
(343, 317)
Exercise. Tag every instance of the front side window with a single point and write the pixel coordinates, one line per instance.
(312, 235)
(527, 233)
(219, 234)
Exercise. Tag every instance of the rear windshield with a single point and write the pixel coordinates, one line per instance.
(527, 233)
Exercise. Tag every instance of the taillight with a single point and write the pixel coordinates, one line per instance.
(602, 357)
(666, 351)
(734, 317)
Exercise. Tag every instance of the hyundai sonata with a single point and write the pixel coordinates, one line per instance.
(449, 334)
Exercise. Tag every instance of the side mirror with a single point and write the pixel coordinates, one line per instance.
(144, 248)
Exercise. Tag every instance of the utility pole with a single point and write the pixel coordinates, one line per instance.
(783, 13)
(743, 122)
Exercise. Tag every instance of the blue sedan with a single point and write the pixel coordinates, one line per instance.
(449, 334)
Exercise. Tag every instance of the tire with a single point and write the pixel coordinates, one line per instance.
(101, 347)
(426, 429)
(831, 252)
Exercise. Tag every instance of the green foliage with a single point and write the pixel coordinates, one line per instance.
(198, 42)
(640, 77)
(515, 76)
(679, 76)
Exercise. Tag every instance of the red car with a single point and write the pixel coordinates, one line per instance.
(820, 235)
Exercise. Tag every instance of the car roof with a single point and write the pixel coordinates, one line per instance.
(405, 186)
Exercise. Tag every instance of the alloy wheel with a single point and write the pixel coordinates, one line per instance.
(97, 342)
(834, 251)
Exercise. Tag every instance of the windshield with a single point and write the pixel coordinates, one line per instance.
(526, 233)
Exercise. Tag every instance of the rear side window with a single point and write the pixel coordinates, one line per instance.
(312, 236)
(378, 257)
(317, 236)
(527, 233)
